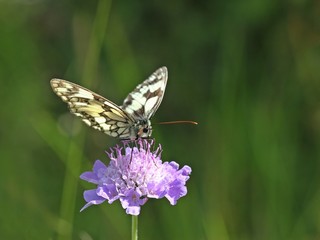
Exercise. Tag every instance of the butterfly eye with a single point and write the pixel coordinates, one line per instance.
(145, 130)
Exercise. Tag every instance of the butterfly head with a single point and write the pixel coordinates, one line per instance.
(143, 129)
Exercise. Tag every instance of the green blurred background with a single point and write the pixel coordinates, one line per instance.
(247, 71)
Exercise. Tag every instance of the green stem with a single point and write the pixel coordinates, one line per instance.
(134, 229)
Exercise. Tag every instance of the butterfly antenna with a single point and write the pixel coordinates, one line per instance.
(179, 122)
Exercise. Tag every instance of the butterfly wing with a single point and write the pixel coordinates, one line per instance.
(144, 100)
(95, 110)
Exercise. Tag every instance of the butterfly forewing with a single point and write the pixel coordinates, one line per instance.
(145, 99)
(95, 110)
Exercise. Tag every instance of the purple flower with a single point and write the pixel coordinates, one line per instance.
(133, 175)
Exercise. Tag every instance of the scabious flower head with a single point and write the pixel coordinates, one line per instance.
(133, 175)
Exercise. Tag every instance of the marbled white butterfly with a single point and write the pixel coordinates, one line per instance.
(129, 121)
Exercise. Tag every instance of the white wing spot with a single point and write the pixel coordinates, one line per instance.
(105, 127)
(113, 116)
(150, 104)
(61, 89)
(139, 98)
(137, 95)
(96, 127)
(68, 86)
(79, 104)
(100, 120)
(113, 134)
(110, 104)
(82, 95)
(129, 110)
(120, 114)
(152, 78)
(125, 132)
(113, 127)
(93, 114)
(122, 124)
(144, 89)
(87, 122)
(91, 109)
(135, 105)
(155, 87)
(95, 102)
(74, 99)
(54, 84)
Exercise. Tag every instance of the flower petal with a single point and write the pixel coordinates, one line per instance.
(132, 202)
(98, 165)
(175, 192)
(90, 177)
(91, 198)
(108, 191)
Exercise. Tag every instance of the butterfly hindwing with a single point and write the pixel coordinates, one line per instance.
(95, 110)
(145, 99)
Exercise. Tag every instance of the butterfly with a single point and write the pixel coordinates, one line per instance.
(129, 121)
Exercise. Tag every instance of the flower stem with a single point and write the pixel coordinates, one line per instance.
(134, 228)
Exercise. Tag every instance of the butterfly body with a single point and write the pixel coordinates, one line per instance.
(129, 121)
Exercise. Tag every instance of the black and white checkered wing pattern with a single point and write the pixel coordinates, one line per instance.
(145, 99)
(95, 110)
